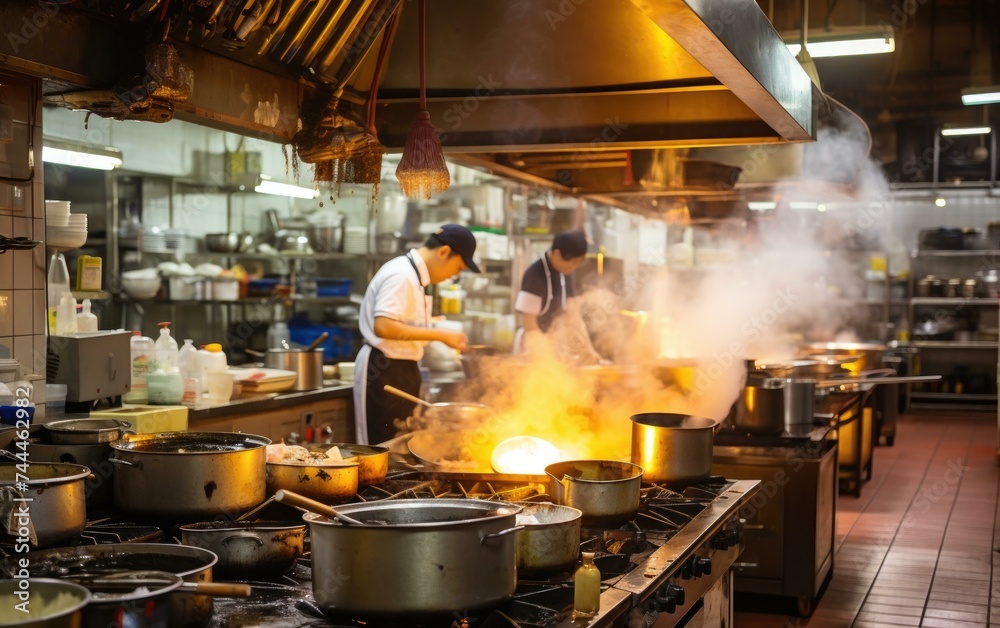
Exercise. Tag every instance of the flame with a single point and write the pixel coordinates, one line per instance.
(524, 454)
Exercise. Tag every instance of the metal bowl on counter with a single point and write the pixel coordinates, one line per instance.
(227, 242)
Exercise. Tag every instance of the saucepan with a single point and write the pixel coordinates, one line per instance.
(307, 363)
(605, 491)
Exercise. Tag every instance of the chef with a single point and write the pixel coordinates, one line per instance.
(547, 296)
(395, 322)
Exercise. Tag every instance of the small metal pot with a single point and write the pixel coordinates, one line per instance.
(761, 408)
(550, 540)
(307, 365)
(672, 447)
(416, 556)
(189, 475)
(373, 461)
(86, 431)
(248, 549)
(40, 613)
(327, 483)
(605, 491)
(58, 508)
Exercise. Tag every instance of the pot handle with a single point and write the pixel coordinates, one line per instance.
(247, 536)
(497, 535)
(217, 589)
(137, 465)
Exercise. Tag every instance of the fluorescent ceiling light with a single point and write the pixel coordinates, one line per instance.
(803, 205)
(965, 130)
(761, 206)
(981, 95)
(861, 40)
(266, 186)
(81, 155)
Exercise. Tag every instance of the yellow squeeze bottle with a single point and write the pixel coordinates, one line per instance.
(587, 588)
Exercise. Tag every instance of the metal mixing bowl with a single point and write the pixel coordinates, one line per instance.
(223, 242)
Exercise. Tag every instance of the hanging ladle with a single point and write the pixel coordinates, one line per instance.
(392, 390)
(303, 502)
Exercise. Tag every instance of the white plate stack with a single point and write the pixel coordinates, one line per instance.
(63, 229)
(356, 240)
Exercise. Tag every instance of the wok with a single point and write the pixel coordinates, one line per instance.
(450, 415)
(459, 451)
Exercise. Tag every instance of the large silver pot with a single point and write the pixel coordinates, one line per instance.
(307, 365)
(189, 475)
(418, 556)
(672, 447)
(95, 457)
(86, 431)
(248, 549)
(550, 540)
(605, 491)
(58, 509)
(53, 603)
(193, 564)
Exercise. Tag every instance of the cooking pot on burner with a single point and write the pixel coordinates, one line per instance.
(606, 491)
(673, 447)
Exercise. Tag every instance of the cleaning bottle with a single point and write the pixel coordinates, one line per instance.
(587, 588)
(66, 315)
(210, 359)
(57, 282)
(142, 349)
(166, 350)
(187, 362)
(85, 320)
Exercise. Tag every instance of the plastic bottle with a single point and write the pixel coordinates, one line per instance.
(166, 350)
(57, 283)
(66, 315)
(85, 321)
(587, 588)
(210, 358)
(142, 350)
(187, 362)
(276, 332)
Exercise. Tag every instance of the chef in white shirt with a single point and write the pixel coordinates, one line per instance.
(395, 323)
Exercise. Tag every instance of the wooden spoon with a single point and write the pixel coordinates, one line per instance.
(392, 390)
(301, 501)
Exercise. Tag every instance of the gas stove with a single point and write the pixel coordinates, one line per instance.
(671, 563)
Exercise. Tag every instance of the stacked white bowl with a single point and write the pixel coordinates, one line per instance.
(63, 229)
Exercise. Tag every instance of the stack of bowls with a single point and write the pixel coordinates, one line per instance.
(63, 229)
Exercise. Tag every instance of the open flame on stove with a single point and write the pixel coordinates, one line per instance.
(524, 455)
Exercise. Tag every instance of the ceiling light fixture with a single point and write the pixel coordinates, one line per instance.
(981, 95)
(803, 205)
(81, 155)
(862, 40)
(267, 186)
(953, 131)
(761, 206)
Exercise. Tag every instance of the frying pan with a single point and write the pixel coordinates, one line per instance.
(458, 451)
(444, 415)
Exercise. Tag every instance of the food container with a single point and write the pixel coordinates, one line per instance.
(327, 483)
(54, 603)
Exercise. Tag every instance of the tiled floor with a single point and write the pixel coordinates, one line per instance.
(917, 549)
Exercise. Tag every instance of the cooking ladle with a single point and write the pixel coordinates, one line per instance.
(303, 502)
(392, 390)
(318, 341)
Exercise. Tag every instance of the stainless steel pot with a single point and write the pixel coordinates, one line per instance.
(672, 447)
(189, 475)
(53, 603)
(373, 461)
(550, 540)
(191, 563)
(800, 404)
(418, 556)
(86, 431)
(605, 491)
(761, 408)
(58, 507)
(248, 549)
(99, 484)
(307, 365)
(327, 483)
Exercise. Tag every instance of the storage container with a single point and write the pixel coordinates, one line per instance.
(333, 287)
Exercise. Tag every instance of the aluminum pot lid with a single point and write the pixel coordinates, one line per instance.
(190, 442)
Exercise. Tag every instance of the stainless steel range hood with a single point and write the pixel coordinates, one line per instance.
(580, 82)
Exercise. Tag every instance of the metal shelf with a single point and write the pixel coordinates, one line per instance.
(956, 253)
(953, 344)
(952, 396)
(93, 295)
(952, 301)
(247, 301)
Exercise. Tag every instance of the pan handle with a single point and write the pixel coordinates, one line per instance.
(245, 536)
(137, 465)
(497, 535)
(217, 589)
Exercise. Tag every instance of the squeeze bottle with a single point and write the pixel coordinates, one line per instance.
(587, 588)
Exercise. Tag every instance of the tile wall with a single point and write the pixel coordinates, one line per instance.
(22, 273)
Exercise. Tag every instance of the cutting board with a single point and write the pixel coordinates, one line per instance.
(264, 380)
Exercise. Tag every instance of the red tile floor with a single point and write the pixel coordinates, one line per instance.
(919, 547)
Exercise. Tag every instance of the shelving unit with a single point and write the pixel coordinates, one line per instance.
(966, 362)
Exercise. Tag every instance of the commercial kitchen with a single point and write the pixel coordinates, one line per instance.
(771, 399)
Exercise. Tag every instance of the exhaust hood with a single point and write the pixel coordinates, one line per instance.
(551, 91)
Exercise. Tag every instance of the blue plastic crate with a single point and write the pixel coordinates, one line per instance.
(333, 287)
(338, 347)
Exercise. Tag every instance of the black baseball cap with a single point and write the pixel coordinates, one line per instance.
(571, 244)
(461, 241)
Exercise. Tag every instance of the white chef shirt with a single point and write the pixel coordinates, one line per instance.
(394, 292)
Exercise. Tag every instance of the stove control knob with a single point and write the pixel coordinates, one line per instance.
(677, 592)
(666, 600)
(701, 566)
(721, 541)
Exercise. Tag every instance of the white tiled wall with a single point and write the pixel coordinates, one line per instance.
(22, 273)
